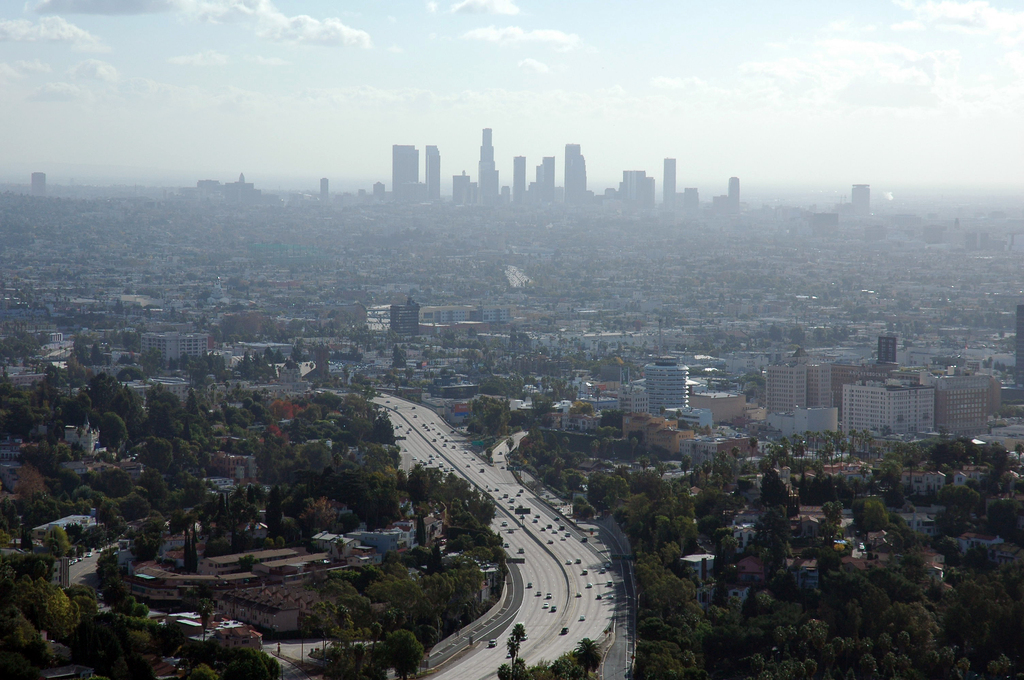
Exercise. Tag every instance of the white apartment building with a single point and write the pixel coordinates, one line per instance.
(173, 345)
(633, 398)
(899, 409)
(665, 380)
(798, 385)
(802, 420)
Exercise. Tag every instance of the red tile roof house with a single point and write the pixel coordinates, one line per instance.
(751, 570)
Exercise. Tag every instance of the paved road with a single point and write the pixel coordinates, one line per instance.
(546, 551)
(83, 572)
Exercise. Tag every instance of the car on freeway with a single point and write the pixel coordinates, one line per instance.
(550, 542)
(545, 606)
(608, 584)
(492, 643)
(521, 551)
(584, 572)
(598, 596)
(565, 631)
(504, 524)
(582, 617)
(568, 562)
(590, 585)
(578, 594)
(554, 609)
(578, 560)
(547, 596)
(481, 469)
(529, 584)
(534, 519)
(506, 545)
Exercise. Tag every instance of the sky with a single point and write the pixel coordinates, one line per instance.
(789, 93)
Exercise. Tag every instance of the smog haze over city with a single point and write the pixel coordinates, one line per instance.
(504, 339)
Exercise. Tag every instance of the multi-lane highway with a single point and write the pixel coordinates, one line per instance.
(566, 582)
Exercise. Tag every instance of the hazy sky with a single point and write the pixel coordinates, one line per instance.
(802, 93)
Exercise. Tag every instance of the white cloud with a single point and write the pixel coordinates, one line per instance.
(20, 69)
(105, 6)
(534, 66)
(908, 26)
(267, 61)
(844, 73)
(8, 72)
(207, 58)
(432, 7)
(666, 83)
(34, 66)
(307, 30)
(94, 69)
(972, 16)
(1015, 60)
(395, 49)
(57, 92)
(513, 35)
(267, 21)
(49, 29)
(485, 7)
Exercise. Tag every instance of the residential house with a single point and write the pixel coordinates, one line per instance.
(751, 570)
(805, 571)
(923, 482)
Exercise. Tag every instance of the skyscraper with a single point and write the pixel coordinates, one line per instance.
(460, 189)
(666, 384)
(323, 190)
(405, 319)
(519, 179)
(575, 175)
(488, 175)
(691, 201)
(668, 185)
(38, 183)
(433, 173)
(1020, 345)
(637, 188)
(405, 170)
(734, 194)
(887, 349)
(861, 199)
(546, 179)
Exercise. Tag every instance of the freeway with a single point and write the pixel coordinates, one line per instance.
(560, 571)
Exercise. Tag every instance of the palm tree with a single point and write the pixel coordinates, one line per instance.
(515, 640)
(358, 654)
(588, 655)
(205, 611)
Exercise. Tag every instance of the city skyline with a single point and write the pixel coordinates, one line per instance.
(161, 90)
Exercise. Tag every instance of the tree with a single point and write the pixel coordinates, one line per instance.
(57, 542)
(773, 489)
(203, 672)
(870, 514)
(14, 666)
(249, 664)
(113, 431)
(404, 652)
(1002, 517)
(205, 611)
(588, 655)
(515, 640)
